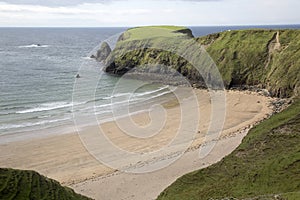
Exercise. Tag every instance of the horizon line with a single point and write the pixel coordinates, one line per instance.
(218, 25)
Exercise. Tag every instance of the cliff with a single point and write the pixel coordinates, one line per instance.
(19, 184)
(134, 53)
(266, 59)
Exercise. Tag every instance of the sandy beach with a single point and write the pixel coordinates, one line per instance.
(66, 159)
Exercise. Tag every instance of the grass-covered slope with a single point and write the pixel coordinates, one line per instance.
(265, 166)
(268, 58)
(22, 185)
(263, 58)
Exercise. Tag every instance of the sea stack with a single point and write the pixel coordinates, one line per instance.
(103, 52)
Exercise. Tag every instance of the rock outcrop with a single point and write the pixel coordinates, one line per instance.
(103, 52)
(136, 56)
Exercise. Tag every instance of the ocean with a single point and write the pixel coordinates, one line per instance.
(37, 78)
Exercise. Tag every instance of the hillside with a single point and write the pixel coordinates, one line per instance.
(20, 185)
(265, 166)
(267, 58)
(262, 58)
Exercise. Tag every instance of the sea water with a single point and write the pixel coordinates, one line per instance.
(38, 68)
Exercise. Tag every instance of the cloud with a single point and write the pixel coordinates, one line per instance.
(70, 13)
(55, 3)
(34, 9)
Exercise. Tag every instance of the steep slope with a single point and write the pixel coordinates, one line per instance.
(265, 166)
(18, 184)
(135, 53)
(266, 58)
(262, 58)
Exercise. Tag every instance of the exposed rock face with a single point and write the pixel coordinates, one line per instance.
(103, 52)
(187, 31)
(266, 59)
(152, 65)
(134, 54)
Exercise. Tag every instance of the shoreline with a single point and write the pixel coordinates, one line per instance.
(64, 158)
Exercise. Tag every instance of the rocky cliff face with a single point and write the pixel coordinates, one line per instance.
(137, 55)
(262, 58)
(103, 52)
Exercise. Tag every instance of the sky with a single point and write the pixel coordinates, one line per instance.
(128, 13)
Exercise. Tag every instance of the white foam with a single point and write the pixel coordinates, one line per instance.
(34, 46)
(23, 125)
(87, 58)
(150, 92)
(116, 96)
(135, 94)
(49, 106)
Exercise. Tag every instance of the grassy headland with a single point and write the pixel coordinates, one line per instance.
(148, 32)
(266, 59)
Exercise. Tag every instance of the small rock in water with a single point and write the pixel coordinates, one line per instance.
(78, 76)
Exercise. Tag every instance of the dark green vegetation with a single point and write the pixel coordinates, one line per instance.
(265, 166)
(22, 185)
(263, 58)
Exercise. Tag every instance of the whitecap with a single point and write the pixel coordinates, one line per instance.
(49, 106)
(150, 92)
(87, 58)
(116, 96)
(24, 125)
(34, 46)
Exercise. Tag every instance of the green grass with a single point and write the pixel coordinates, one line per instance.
(266, 164)
(150, 32)
(242, 57)
(22, 185)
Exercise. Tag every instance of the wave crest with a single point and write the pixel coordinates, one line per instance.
(34, 46)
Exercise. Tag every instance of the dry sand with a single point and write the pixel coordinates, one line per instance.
(64, 157)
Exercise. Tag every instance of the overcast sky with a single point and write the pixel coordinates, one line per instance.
(111, 13)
